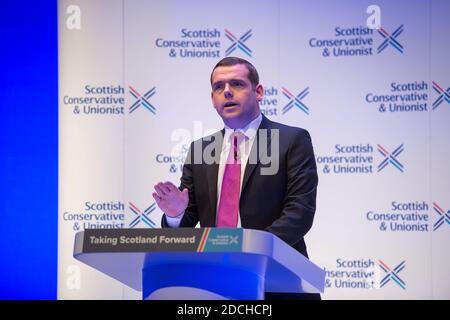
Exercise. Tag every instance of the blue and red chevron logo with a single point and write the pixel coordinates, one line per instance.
(392, 274)
(295, 101)
(142, 216)
(142, 100)
(238, 43)
(390, 39)
(443, 216)
(390, 158)
(443, 95)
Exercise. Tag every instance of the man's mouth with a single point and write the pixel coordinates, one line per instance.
(230, 104)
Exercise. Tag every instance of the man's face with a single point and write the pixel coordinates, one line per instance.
(233, 96)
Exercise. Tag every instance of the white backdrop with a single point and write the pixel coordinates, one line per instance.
(134, 91)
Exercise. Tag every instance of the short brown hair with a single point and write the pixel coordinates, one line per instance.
(231, 61)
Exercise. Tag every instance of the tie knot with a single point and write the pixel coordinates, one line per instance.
(236, 138)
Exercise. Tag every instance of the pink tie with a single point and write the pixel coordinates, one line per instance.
(227, 213)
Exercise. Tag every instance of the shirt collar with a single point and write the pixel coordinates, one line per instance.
(249, 130)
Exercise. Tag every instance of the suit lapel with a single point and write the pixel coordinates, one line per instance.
(258, 148)
(212, 172)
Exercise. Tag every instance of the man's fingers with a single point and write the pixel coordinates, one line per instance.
(156, 197)
(170, 186)
(165, 191)
(165, 188)
(160, 191)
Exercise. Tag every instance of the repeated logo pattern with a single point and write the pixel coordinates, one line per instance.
(390, 158)
(443, 95)
(142, 216)
(238, 43)
(390, 39)
(392, 274)
(443, 216)
(295, 100)
(142, 100)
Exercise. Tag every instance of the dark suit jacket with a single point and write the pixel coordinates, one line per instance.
(283, 203)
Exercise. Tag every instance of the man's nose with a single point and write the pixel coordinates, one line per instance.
(227, 92)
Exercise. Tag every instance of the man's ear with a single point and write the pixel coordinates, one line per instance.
(259, 92)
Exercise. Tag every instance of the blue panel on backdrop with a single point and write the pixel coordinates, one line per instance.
(28, 150)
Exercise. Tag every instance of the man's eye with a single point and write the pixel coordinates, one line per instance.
(236, 84)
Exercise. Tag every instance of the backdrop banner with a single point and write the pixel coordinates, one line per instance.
(370, 82)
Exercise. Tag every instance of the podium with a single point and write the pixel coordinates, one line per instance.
(199, 263)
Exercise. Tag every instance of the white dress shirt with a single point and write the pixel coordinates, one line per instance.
(244, 150)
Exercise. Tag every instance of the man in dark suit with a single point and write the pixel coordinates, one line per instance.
(255, 173)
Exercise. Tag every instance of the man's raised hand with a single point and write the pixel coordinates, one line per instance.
(170, 199)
